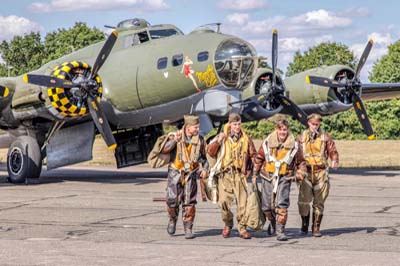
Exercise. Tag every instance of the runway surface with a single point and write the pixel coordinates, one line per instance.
(103, 216)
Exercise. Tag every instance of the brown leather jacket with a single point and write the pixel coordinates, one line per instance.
(330, 147)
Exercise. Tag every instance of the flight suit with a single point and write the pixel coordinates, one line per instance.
(188, 158)
(317, 149)
(236, 154)
(278, 161)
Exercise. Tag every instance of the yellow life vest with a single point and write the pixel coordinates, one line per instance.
(314, 152)
(235, 151)
(278, 155)
(178, 162)
(187, 155)
(283, 155)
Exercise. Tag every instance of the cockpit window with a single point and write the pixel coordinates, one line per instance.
(234, 63)
(157, 34)
(136, 39)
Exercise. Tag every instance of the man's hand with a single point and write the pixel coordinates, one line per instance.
(178, 136)
(301, 175)
(335, 164)
(221, 137)
(203, 174)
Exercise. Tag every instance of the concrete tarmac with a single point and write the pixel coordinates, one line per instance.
(103, 216)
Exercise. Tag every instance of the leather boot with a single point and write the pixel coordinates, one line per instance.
(280, 232)
(305, 222)
(188, 214)
(317, 218)
(188, 233)
(281, 218)
(272, 223)
(171, 227)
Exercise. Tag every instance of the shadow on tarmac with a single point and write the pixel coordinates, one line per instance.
(387, 172)
(93, 175)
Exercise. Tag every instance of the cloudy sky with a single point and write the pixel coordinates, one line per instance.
(301, 23)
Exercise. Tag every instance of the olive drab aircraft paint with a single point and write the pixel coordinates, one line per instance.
(141, 76)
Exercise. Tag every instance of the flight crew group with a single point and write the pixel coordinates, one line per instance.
(280, 160)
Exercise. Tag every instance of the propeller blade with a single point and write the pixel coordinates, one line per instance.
(4, 91)
(325, 82)
(104, 52)
(101, 122)
(274, 55)
(363, 58)
(362, 116)
(290, 108)
(48, 81)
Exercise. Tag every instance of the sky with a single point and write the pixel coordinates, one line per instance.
(301, 24)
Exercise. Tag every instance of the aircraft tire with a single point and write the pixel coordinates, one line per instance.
(23, 160)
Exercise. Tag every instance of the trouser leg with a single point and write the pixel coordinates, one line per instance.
(266, 205)
(225, 198)
(320, 192)
(240, 191)
(174, 190)
(189, 201)
(282, 204)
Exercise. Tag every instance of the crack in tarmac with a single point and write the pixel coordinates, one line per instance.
(387, 208)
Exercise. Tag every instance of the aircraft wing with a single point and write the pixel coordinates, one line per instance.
(380, 91)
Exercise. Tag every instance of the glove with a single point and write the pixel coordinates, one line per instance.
(300, 175)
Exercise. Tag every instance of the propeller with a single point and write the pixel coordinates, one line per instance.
(4, 91)
(88, 85)
(275, 94)
(351, 89)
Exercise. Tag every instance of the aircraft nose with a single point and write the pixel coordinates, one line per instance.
(235, 63)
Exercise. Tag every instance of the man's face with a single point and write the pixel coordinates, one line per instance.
(192, 130)
(314, 125)
(282, 132)
(235, 127)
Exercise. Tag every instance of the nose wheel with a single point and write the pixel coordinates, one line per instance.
(23, 160)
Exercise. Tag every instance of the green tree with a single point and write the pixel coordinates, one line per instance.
(384, 115)
(3, 70)
(29, 52)
(64, 41)
(386, 69)
(24, 53)
(328, 53)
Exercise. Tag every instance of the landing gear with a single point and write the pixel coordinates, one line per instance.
(23, 160)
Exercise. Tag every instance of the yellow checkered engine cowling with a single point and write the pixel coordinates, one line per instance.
(62, 99)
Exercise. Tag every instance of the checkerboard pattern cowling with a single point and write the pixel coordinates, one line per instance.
(58, 96)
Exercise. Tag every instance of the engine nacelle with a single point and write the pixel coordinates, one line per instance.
(323, 100)
(66, 103)
(261, 85)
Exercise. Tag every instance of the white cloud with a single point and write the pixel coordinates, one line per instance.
(238, 18)
(381, 39)
(240, 5)
(73, 5)
(322, 19)
(296, 33)
(305, 25)
(11, 26)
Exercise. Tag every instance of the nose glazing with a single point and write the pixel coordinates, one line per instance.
(235, 63)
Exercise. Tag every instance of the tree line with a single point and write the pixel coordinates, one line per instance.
(29, 52)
